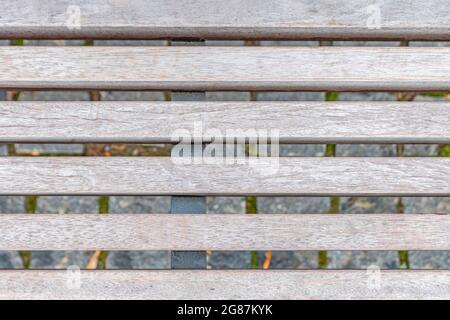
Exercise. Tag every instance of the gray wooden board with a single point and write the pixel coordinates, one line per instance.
(166, 122)
(232, 19)
(226, 68)
(225, 285)
(214, 176)
(225, 232)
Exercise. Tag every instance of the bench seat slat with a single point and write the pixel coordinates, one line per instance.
(225, 232)
(269, 176)
(233, 19)
(226, 68)
(158, 122)
(225, 285)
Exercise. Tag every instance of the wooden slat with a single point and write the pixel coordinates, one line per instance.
(159, 122)
(225, 285)
(224, 232)
(225, 68)
(268, 176)
(233, 19)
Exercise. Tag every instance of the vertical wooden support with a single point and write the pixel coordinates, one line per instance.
(186, 205)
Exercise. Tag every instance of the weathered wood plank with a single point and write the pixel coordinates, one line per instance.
(224, 232)
(225, 68)
(233, 19)
(225, 285)
(159, 122)
(263, 176)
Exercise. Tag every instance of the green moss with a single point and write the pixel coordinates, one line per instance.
(251, 205)
(251, 150)
(103, 208)
(403, 256)
(16, 96)
(330, 150)
(30, 204)
(30, 207)
(325, 43)
(17, 42)
(103, 204)
(444, 151)
(251, 208)
(88, 43)
(25, 256)
(254, 260)
(323, 259)
(331, 96)
(434, 94)
(11, 149)
(335, 205)
(404, 259)
(102, 260)
(400, 207)
(400, 149)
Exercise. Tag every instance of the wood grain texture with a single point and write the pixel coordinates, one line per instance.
(226, 68)
(224, 232)
(265, 176)
(159, 122)
(225, 285)
(233, 19)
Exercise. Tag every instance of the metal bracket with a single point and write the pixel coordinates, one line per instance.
(186, 205)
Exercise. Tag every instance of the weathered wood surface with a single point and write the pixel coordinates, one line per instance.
(232, 19)
(225, 68)
(263, 176)
(225, 285)
(224, 232)
(162, 122)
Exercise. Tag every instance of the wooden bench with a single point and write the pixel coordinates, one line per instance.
(199, 69)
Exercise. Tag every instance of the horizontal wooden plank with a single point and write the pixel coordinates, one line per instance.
(213, 176)
(225, 285)
(233, 19)
(225, 68)
(159, 122)
(224, 232)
